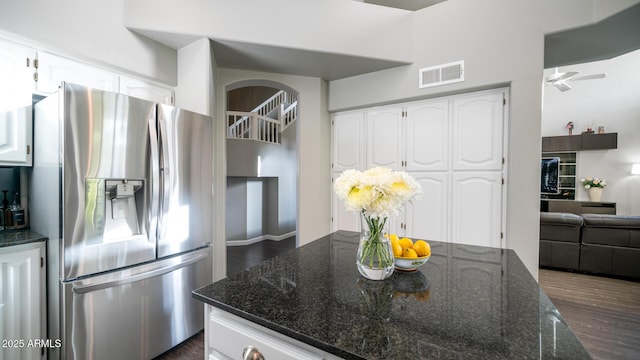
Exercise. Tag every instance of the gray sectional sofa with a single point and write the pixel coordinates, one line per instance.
(591, 243)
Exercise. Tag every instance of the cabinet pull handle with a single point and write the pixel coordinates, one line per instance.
(251, 353)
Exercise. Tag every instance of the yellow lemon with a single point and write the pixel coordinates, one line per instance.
(422, 248)
(406, 243)
(393, 237)
(397, 249)
(409, 253)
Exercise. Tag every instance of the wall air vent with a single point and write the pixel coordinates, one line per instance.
(441, 74)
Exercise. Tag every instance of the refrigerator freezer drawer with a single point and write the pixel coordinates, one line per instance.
(138, 313)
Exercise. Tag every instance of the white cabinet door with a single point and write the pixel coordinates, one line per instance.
(476, 208)
(427, 218)
(348, 141)
(427, 135)
(16, 72)
(385, 138)
(16, 137)
(146, 91)
(52, 70)
(477, 132)
(15, 104)
(21, 291)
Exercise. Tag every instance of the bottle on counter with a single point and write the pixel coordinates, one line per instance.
(6, 213)
(1, 216)
(17, 213)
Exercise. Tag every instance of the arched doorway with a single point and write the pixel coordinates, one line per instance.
(262, 172)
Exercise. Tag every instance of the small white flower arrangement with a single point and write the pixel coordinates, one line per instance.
(590, 182)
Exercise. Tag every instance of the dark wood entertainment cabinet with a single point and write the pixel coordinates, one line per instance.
(577, 207)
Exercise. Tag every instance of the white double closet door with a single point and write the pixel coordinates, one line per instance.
(454, 147)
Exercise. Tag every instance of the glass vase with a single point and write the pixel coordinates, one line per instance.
(375, 259)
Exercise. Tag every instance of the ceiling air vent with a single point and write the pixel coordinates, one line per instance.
(442, 74)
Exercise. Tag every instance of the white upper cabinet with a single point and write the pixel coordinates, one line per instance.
(16, 139)
(146, 91)
(385, 138)
(477, 131)
(16, 72)
(52, 70)
(25, 71)
(427, 134)
(348, 146)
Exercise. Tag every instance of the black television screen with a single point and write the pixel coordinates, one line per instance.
(550, 176)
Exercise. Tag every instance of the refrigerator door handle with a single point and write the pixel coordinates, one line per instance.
(165, 177)
(153, 270)
(152, 219)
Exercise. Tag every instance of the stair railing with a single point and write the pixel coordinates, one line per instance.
(288, 115)
(271, 103)
(257, 124)
(251, 125)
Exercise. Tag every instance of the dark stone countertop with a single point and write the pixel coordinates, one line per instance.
(466, 302)
(19, 237)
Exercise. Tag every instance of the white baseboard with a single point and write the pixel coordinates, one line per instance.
(259, 238)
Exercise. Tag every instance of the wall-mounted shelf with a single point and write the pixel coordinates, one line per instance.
(580, 142)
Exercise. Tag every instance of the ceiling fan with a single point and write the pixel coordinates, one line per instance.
(559, 80)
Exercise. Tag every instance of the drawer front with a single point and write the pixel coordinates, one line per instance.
(229, 336)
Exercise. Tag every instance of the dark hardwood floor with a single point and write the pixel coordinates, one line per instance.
(238, 258)
(604, 313)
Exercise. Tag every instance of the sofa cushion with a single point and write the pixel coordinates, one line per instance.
(610, 260)
(563, 227)
(612, 221)
(557, 254)
(616, 230)
(564, 219)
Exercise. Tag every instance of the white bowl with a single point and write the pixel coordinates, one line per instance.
(407, 264)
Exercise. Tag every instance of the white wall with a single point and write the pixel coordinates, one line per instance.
(612, 102)
(313, 147)
(502, 43)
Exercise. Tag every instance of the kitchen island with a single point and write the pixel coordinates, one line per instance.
(466, 302)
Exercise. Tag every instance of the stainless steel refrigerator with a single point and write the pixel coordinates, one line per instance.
(122, 187)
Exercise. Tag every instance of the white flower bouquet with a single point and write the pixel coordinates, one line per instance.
(376, 193)
(590, 182)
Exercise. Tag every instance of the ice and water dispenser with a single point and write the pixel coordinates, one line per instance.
(114, 208)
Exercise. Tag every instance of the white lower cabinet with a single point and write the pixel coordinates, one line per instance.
(228, 336)
(22, 290)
